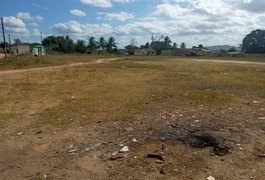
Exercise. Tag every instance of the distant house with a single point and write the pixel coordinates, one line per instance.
(191, 52)
(37, 49)
(20, 48)
(148, 52)
(137, 52)
(166, 52)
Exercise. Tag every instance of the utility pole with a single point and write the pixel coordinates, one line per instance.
(9, 43)
(41, 37)
(4, 37)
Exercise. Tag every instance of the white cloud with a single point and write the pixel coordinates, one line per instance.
(15, 25)
(28, 16)
(198, 21)
(39, 18)
(77, 12)
(122, 16)
(82, 30)
(33, 24)
(24, 15)
(98, 3)
(123, 1)
(104, 3)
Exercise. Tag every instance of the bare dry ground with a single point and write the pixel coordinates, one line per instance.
(180, 120)
(2, 55)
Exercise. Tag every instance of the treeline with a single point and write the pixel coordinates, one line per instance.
(65, 44)
(158, 44)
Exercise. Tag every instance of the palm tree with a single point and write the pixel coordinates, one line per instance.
(111, 45)
(175, 45)
(92, 44)
(183, 45)
(167, 42)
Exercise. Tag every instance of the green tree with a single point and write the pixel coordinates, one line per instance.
(92, 44)
(167, 43)
(175, 45)
(200, 46)
(254, 42)
(60, 43)
(111, 45)
(52, 42)
(17, 41)
(183, 45)
(80, 46)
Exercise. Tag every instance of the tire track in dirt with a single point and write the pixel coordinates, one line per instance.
(58, 67)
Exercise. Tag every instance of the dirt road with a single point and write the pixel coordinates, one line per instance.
(57, 67)
(223, 61)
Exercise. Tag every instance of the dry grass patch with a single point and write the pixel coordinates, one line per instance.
(124, 89)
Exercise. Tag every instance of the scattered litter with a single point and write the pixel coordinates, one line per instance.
(45, 176)
(197, 121)
(261, 118)
(72, 97)
(39, 132)
(210, 178)
(125, 149)
(230, 108)
(162, 171)
(262, 109)
(134, 140)
(20, 133)
(262, 155)
(129, 129)
(73, 150)
(71, 146)
(90, 148)
(159, 162)
(116, 157)
(256, 102)
(115, 153)
(156, 156)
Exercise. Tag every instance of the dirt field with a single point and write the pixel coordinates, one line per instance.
(180, 119)
(2, 56)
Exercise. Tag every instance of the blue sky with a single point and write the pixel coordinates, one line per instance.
(191, 21)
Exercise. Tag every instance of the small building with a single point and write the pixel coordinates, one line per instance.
(191, 52)
(137, 52)
(148, 52)
(20, 48)
(37, 49)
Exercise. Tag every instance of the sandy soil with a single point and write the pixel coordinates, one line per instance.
(173, 143)
(2, 56)
(182, 139)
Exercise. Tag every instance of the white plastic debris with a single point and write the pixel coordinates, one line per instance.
(20, 133)
(134, 140)
(124, 149)
(210, 178)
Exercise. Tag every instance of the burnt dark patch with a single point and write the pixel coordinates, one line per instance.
(196, 139)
